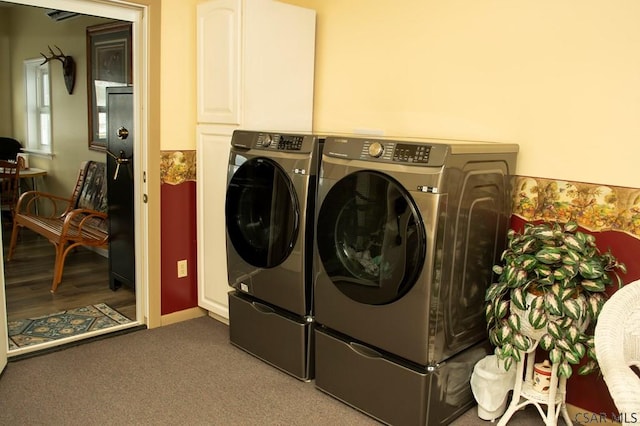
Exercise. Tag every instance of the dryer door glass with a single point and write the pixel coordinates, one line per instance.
(371, 238)
(262, 213)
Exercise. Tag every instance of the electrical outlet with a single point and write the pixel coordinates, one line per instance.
(182, 268)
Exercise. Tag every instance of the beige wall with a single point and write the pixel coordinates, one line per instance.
(178, 64)
(31, 32)
(559, 78)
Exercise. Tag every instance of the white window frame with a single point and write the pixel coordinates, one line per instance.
(37, 83)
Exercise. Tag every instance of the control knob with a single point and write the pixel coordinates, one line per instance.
(267, 140)
(376, 149)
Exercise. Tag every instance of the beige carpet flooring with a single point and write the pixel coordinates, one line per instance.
(181, 374)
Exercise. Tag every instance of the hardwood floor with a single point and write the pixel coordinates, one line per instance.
(85, 280)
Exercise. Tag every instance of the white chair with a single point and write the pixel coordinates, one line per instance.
(617, 344)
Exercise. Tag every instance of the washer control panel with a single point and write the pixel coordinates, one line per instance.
(396, 152)
(418, 153)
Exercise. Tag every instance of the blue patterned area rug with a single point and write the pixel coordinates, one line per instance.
(31, 331)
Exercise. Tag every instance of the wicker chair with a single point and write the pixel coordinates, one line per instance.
(80, 220)
(617, 343)
(10, 185)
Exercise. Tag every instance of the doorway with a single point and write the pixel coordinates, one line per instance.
(138, 308)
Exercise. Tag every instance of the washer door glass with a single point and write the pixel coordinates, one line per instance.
(370, 237)
(262, 213)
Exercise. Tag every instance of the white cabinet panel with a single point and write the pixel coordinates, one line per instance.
(277, 66)
(212, 158)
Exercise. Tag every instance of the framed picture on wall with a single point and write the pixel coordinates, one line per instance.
(108, 65)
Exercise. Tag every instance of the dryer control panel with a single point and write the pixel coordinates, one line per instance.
(301, 143)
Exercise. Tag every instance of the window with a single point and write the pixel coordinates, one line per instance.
(38, 106)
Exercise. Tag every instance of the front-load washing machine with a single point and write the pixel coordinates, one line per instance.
(269, 212)
(407, 233)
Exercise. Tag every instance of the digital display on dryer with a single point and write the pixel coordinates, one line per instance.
(411, 153)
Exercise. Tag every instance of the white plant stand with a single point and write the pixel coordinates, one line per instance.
(524, 393)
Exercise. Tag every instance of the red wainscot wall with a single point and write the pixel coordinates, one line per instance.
(612, 215)
(178, 231)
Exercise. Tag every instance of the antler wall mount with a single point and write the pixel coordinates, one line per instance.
(68, 67)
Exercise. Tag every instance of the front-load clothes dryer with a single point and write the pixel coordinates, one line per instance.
(269, 212)
(407, 233)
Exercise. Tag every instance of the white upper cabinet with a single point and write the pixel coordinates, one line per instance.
(255, 64)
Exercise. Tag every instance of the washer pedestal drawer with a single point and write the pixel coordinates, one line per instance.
(388, 389)
(271, 334)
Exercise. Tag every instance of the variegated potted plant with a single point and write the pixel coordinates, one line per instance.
(550, 288)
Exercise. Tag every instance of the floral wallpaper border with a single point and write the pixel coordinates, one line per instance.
(177, 167)
(594, 207)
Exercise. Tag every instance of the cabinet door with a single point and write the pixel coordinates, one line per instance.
(218, 59)
(213, 146)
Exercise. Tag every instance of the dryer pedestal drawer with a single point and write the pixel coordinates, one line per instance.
(389, 391)
(272, 335)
